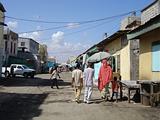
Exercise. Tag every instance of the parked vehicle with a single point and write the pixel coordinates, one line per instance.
(18, 69)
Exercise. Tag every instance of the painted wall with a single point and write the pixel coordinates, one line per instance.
(145, 60)
(125, 62)
(115, 49)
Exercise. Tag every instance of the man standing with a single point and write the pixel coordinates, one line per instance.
(77, 82)
(104, 78)
(88, 81)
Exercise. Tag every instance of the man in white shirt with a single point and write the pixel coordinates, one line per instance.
(77, 82)
(88, 82)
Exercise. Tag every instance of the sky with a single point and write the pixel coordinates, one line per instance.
(68, 35)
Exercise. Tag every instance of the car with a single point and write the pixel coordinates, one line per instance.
(18, 69)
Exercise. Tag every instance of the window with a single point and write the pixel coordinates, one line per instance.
(19, 67)
(14, 48)
(156, 56)
(118, 63)
(124, 40)
(6, 46)
(22, 43)
(11, 47)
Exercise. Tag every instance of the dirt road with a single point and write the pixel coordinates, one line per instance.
(33, 99)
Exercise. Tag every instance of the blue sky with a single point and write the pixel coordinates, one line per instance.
(75, 38)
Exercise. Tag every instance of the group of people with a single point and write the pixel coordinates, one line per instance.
(80, 79)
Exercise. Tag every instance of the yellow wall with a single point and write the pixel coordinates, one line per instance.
(125, 63)
(115, 49)
(145, 59)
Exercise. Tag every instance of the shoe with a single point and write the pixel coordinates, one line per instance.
(77, 101)
(52, 87)
(85, 101)
(103, 97)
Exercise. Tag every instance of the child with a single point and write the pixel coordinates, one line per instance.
(55, 74)
(115, 87)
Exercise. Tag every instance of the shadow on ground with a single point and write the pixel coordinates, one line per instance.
(15, 106)
(21, 81)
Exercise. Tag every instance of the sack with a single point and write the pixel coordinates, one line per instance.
(50, 70)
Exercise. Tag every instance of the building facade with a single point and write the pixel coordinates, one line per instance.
(28, 44)
(10, 44)
(149, 40)
(124, 60)
(2, 10)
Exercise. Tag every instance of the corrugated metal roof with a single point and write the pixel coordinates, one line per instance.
(152, 24)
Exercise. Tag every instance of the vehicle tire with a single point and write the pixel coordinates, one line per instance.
(25, 75)
(32, 75)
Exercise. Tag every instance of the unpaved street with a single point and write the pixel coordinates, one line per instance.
(33, 99)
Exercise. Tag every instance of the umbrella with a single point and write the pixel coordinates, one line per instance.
(98, 56)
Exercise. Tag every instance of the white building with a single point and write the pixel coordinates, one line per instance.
(10, 44)
(29, 44)
(2, 10)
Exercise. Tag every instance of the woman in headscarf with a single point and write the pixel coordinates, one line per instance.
(104, 78)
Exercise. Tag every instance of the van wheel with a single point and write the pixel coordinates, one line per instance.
(32, 75)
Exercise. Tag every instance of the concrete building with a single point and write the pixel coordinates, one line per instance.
(125, 58)
(28, 44)
(130, 22)
(149, 58)
(10, 45)
(29, 50)
(2, 10)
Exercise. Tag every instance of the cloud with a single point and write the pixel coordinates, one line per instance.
(12, 24)
(33, 35)
(73, 25)
(58, 46)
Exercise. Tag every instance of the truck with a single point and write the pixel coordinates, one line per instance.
(18, 69)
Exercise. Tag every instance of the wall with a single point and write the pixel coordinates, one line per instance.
(116, 49)
(1, 40)
(145, 60)
(26, 40)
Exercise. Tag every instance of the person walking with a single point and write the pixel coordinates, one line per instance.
(54, 76)
(104, 78)
(77, 82)
(88, 82)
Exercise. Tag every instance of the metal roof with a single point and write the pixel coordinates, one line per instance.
(152, 24)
